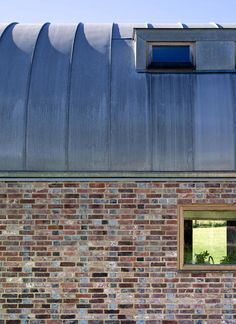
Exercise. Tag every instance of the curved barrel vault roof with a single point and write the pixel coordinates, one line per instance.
(71, 100)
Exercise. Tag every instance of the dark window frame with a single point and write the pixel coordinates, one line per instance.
(205, 208)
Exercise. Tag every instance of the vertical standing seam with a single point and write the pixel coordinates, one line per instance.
(193, 100)
(27, 96)
(195, 89)
(232, 82)
(215, 24)
(150, 110)
(110, 97)
(11, 25)
(67, 128)
(151, 119)
(149, 26)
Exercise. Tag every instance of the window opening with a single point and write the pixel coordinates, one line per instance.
(207, 237)
(170, 56)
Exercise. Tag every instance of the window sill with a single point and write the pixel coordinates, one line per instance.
(206, 268)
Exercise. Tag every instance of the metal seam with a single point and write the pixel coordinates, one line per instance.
(8, 27)
(67, 137)
(28, 94)
(110, 97)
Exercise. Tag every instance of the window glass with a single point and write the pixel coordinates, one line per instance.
(208, 238)
(171, 56)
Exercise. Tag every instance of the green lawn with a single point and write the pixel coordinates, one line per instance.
(212, 239)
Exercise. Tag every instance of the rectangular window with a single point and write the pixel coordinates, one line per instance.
(207, 237)
(171, 56)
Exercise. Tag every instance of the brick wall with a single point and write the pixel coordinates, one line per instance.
(105, 252)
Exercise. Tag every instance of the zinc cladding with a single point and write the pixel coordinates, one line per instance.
(72, 100)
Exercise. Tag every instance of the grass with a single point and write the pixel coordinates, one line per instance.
(212, 239)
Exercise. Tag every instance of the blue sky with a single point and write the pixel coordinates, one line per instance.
(118, 11)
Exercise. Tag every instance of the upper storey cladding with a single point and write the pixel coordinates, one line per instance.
(71, 99)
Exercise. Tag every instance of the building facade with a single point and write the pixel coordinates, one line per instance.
(117, 166)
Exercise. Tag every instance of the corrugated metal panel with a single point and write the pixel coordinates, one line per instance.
(233, 89)
(48, 104)
(130, 117)
(180, 25)
(166, 26)
(214, 125)
(228, 25)
(16, 48)
(125, 31)
(203, 25)
(92, 111)
(90, 99)
(4, 27)
(172, 102)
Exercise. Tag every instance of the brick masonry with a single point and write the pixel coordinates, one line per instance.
(105, 252)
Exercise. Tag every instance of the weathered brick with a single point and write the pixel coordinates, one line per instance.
(105, 252)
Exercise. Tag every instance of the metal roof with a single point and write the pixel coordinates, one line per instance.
(71, 100)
